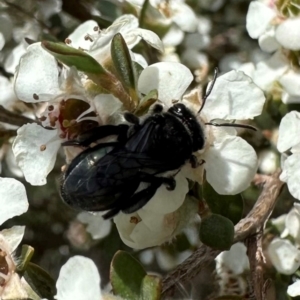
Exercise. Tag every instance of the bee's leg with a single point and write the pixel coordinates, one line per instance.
(169, 181)
(158, 108)
(139, 199)
(131, 118)
(115, 208)
(97, 133)
(194, 162)
(111, 213)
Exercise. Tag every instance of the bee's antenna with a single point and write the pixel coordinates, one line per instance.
(209, 90)
(231, 125)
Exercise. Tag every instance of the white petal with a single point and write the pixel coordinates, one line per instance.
(267, 161)
(284, 256)
(123, 25)
(165, 201)
(96, 225)
(173, 37)
(294, 289)
(13, 58)
(268, 71)
(184, 16)
(290, 81)
(106, 105)
(258, 18)
(2, 41)
(268, 42)
(153, 237)
(40, 79)
(155, 227)
(77, 37)
(148, 36)
(247, 68)
(196, 41)
(288, 135)
(292, 223)
(288, 34)
(140, 59)
(8, 96)
(78, 279)
(194, 59)
(230, 165)
(125, 227)
(169, 78)
(35, 163)
(13, 236)
(287, 98)
(292, 175)
(234, 96)
(279, 222)
(235, 259)
(13, 199)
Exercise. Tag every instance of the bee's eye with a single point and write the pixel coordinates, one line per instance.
(178, 109)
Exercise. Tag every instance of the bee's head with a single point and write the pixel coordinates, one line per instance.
(191, 124)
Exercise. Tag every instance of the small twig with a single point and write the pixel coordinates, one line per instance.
(9, 117)
(192, 266)
(262, 209)
(248, 226)
(256, 260)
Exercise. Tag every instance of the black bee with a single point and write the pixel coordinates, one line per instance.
(108, 176)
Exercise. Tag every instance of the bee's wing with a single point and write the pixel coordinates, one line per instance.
(100, 179)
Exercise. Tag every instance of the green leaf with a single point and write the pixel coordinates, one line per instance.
(151, 288)
(87, 64)
(126, 275)
(130, 281)
(74, 57)
(25, 257)
(217, 232)
(123, 64)
(40, 281)
(229, 206)
(146, 102)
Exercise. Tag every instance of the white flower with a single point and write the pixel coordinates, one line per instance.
(235, 260)
(292, 223)
(269, 71)
(284, 256)
(78, 279)
(96, 225)
(30, 30)
(160, 219)
(176, 15)
(230, 162)
(294, 289)
(289, 139)
(288, 34)
(6, 26)
(272, 29)
(35, 149)
(97, 42)
(43, 84)
(13, 202)
(267, 161)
